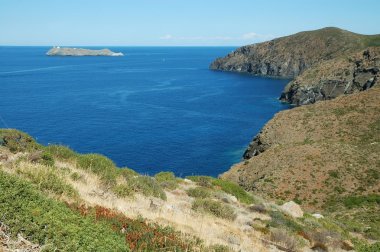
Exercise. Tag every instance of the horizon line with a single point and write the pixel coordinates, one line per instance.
(8, 45)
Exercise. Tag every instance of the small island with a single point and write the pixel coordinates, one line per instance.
(66, 51)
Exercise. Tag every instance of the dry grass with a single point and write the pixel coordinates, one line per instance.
(8, 244)
(176, 211)
(283, 239)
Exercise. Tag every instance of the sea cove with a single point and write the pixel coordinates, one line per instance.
(155, 109)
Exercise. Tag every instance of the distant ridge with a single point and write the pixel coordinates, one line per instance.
(291, 55)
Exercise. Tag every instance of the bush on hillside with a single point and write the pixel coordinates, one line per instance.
(167, 180)
(215, 208)
(100, 165)
(199, 192)
(61, 152)
(17, 141)
(226, 186)
(45, 221)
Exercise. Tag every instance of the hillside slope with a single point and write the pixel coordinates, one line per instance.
(55, 199)
(316, 154)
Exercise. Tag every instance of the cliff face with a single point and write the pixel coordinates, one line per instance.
(315, 152)
(329, 79)
(324, 63)
(289, 56)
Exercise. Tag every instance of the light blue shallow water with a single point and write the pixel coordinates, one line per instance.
(157, 108)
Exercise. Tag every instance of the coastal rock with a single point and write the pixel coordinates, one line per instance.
(324, 64)
(330, 79)
(289, 56)
(256, 146)
(293, 209)
(65, 51)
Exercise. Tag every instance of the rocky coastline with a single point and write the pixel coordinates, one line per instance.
(323, 64)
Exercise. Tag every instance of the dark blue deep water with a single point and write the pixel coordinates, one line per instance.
(157, 108)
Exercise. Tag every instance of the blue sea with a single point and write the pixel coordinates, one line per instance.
(155, 109)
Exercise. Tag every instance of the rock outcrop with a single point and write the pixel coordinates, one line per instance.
(65, 51)
(318, 60)
(289, 56)
(293, 209)
(329, 79)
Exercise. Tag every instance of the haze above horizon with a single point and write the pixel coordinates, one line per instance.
(175, 23)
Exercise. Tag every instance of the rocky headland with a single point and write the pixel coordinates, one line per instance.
(324, 154)
(66, 51)
(290, 57)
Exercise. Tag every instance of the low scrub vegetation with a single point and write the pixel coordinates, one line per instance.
(50, 223)
(361, 213)
(100, 165)
(46, 179)
(199, 192)
(167, 180)
(226, 186)
(17, 141)
(148, 186)
(215, 208)
(61, 152)
(283, 239)
(139, 234)
(357, 201)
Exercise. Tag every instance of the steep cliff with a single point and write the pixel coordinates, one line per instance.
(325, 63)
(291, 55)
(329, 79)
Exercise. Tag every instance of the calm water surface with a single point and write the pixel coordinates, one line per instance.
(157, 108)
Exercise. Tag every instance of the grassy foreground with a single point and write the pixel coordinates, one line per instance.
(65, 201)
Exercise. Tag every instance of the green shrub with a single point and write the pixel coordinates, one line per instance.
(46, 221)
(234, 189)
(279, 220)
(122, 190)
(356, 201)
(164, 176)
(47, 180)
(198, 192)
(127, 173)
(42, 157)
(226, 186)
(61, 152)
(215, 208)
(334, 174)
(375, 247)
(75, 176)
(47, 159)
(204, 181)
(17, 141)
(146, 185)
(100, 165)
(167, 180)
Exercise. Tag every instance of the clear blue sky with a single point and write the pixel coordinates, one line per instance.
(176, 22)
